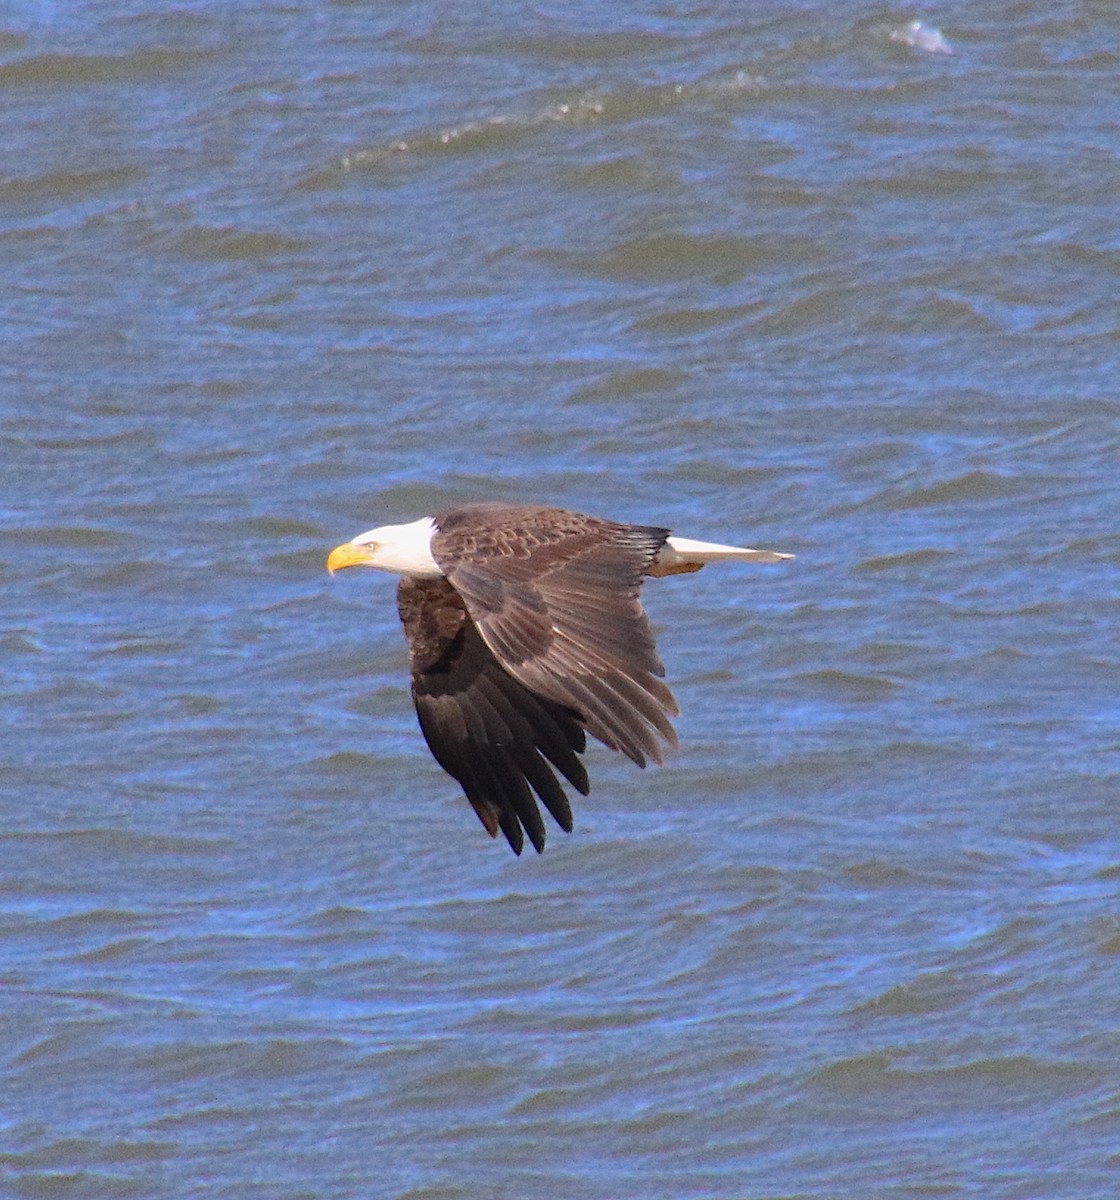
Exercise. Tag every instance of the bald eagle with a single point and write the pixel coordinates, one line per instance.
(526, 633)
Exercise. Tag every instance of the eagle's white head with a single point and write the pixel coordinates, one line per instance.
(402, 549)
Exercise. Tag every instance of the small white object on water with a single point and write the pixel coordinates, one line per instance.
(922, 37)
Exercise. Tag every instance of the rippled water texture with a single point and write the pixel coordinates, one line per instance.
(837, 279)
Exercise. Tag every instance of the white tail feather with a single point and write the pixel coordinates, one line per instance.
(684, 554)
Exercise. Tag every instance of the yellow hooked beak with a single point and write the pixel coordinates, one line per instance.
(348, 555)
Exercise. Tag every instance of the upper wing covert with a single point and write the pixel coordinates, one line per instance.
(554, 595)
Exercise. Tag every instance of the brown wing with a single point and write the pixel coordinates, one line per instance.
(555, 596)
(483, 727)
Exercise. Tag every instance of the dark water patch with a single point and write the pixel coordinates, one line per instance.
(78, 1185)
(1012, 1080)
(65, 537)
(43, 193)
(70, 70)
(905, 560)
(567, 46)
(125, 576)
(617, 385)
(897, 653)
(300, 564)
(119, 841)
(701, 678)
(19, 643)
(687, 322)
(975, 605)
(347, 762)
(622, 174)
(728, 474)
(548, 1101)
(283, 1057)
(451, 1088)
(673, 257)
(382, 702)
(64, 1046)
(924, 181)
(1110, 945)
(331, 468)
(142, 646)
(926, 752)
(554, 1021)
(128, 949)
(96, 920)
(338, 916)
(845, 685)
(826, 306)
(1106, 259)
(284, 527)
(1108, 1118)
(855, 95)
(878, 873)
(1002, 942)
(971, 487)
(439, 1192)
(230, 244)
(933, 992)
(251, 1059)
(942, 314)
(81, 1152)
(802, 769)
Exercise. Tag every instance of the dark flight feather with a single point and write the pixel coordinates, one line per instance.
(483, 727)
